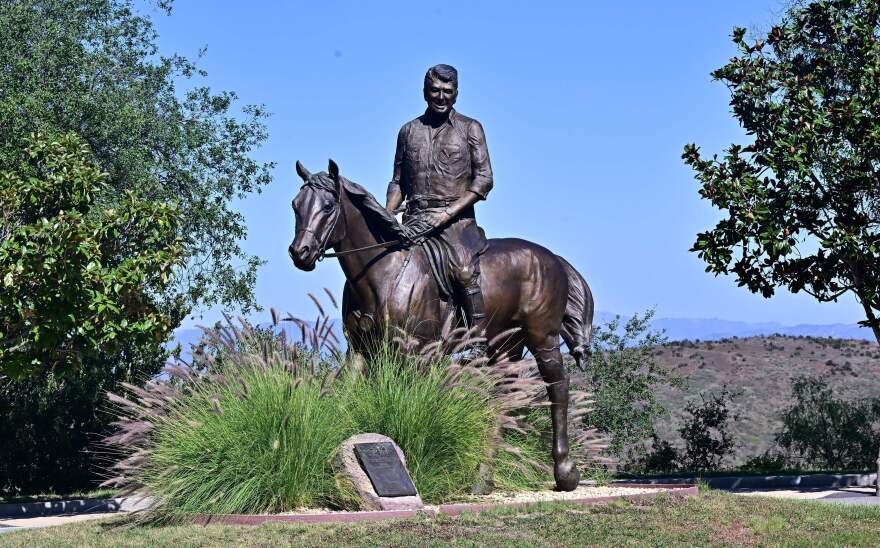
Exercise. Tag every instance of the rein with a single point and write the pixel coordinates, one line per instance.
(332, 254)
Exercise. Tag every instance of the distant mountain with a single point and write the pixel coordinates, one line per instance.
(677, 329)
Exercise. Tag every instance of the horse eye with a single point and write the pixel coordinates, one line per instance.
(328, 207)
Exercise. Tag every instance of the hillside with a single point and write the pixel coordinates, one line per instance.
(762, 369)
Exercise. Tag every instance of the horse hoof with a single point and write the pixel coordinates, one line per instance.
(567, 475)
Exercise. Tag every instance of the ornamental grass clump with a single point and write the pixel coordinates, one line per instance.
(252, 425)
(443, 414)
(445, 430)
(247, 428)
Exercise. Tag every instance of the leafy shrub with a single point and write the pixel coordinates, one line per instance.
(253, 424)
(623, 379)
(705, 432)
(80, 276)
(52, 423)
(821, 431)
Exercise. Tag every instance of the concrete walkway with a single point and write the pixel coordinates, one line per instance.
(843, 495)
(20, 524)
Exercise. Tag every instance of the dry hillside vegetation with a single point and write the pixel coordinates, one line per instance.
(762, 368)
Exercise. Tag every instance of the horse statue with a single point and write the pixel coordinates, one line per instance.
(528, 290)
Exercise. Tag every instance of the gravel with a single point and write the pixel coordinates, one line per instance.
(582, 492)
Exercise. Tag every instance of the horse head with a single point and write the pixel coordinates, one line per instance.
(317, 211)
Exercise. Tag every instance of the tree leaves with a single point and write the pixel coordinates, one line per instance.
(92, 67)
(802, 200)
(79, 279)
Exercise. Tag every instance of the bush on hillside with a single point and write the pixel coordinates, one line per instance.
(705, 440)
(663, 457)
(623, 377)
(821, 431)
(705, 432)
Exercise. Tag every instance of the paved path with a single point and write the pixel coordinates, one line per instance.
(10, 525)
(843, 495)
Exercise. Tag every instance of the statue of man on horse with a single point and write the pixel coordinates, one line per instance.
(441, 169)
(519, 294)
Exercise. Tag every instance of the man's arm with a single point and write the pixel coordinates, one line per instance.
(470, 198)
(394, 196)
(481, 169)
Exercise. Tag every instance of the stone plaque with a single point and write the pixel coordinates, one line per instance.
(382, 465)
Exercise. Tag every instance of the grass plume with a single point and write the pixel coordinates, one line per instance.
(253, 423)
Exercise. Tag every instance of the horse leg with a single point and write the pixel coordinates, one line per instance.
(550, 365)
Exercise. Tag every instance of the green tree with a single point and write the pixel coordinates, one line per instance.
(78, 278)
(802, 199)
(623, 378)
(707, 440)
(819, 430)
(92, 67)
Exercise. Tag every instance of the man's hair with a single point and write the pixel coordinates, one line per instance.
(444, 73)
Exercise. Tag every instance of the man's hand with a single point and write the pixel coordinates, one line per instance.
(436, 218)
(416, 230)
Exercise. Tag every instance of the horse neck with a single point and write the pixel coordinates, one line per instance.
(365, 270)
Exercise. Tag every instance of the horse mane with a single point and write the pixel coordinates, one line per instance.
(376, 214)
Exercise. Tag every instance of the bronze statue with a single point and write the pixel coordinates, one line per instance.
(441, 169)
(405, 276)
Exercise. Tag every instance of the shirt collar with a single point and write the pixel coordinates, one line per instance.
(452, 119)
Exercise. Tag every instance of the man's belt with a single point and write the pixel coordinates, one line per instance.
(416, 203)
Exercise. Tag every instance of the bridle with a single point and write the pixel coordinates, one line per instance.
(322, 243)
(324, 254)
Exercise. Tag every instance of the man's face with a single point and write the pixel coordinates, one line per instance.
(440, 96)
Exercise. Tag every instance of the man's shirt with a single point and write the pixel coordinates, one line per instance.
(442, 162)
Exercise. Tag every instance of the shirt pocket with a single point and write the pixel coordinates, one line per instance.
(413, 155)
(451, 158)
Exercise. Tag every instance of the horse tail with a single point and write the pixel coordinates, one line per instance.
(577, 323)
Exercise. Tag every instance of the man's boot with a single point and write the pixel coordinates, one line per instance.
(475, 314)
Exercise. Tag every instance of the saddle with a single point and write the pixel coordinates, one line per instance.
(435, 250)
(438, 259)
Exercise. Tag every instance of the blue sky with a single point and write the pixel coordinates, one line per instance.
(586, 107)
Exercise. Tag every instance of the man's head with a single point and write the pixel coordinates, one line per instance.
(441, 88)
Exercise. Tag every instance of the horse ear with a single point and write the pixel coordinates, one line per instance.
(302, 171)
(333, 169)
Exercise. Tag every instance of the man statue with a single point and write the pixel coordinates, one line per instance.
(441, 169)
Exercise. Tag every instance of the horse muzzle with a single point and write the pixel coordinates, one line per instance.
(304, 254)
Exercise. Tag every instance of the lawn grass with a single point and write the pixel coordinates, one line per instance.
(717, 519)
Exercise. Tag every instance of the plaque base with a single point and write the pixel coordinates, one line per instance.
(349, 469)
